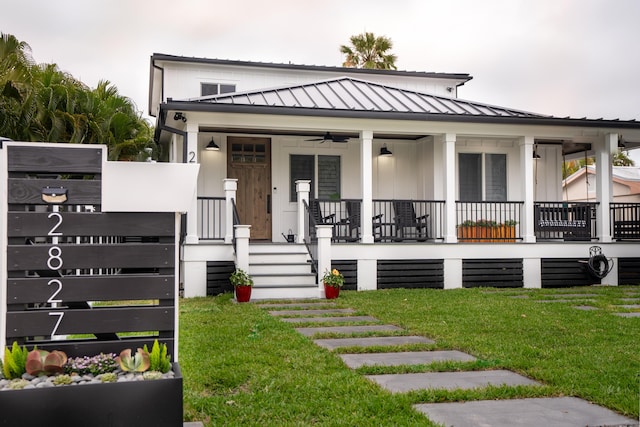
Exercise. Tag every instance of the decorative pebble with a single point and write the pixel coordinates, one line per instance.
(47, 381)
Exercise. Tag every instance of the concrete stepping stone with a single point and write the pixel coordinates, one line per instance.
(329, 319)
(586, 307)
(347, 329)
(559, 300)
(312, 312)
(333, 343)
(636, 314)
(401, 383)
(572, 295)
(299, 304)
(629, 306)
(553, 411)
(405, 358)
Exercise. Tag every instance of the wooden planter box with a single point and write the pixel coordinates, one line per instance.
(133, 403)
(504, 234)
(481, 233)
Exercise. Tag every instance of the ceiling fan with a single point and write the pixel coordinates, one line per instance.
(328, 137)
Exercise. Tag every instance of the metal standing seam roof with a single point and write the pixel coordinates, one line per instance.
(349, 94)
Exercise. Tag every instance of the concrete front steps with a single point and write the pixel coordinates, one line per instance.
(281, 271)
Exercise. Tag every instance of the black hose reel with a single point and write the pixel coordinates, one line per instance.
(598, 265)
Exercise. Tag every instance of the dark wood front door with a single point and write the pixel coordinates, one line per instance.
(249, 161)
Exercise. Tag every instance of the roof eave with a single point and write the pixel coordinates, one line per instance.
(464, 77)
(396, 115)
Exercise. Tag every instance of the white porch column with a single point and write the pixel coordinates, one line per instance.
(243, 232)
(527, 187)
(450, 183)
(303, 187)
(366, 142)
(604, 184)
(324, 233)
(192, 157)
(230, 189)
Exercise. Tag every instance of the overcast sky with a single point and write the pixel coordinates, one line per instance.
(561, 57)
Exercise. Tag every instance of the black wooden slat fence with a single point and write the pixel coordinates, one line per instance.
(74, 272)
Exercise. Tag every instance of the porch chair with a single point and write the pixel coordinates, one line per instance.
(405, 217)
(353, 221)
(319, 219)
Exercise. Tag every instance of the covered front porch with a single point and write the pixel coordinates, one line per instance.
(437, 188)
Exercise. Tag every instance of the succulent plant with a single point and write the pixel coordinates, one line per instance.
(138, 363)
(62, 380)
(18, 384)
(109, 377)
(152, 375)
(14, 361)
(158, 358)
(42, 362)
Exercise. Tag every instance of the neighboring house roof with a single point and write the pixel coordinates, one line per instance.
(174, 58)
(625, 175)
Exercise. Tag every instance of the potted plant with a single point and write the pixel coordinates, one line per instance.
(242, 284)
(333, 281)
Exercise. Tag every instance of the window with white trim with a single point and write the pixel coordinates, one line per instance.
(482, 177)
(326, 183)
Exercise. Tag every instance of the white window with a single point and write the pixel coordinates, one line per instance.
(482, 177)
(207, 89)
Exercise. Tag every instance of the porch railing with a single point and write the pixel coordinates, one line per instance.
(391, 220)
(211, 211)
(236, 221)
(625, 221)
(310, 237)
(565, 221)
(489, 221)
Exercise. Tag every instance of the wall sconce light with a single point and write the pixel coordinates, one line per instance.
(384, 151)
(180, 116)
(212, 146)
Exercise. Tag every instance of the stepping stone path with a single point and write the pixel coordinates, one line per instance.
(556, 412)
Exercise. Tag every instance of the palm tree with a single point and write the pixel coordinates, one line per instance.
(39, 102)
(369, 51)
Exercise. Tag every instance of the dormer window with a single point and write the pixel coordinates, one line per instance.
(207, 89)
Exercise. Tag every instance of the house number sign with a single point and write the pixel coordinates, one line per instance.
(55, 262)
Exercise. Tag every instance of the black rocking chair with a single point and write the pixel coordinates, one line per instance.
(405, 218)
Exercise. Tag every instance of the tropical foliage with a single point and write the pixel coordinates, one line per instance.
(39, 102)
(369, 51)
(620, 158)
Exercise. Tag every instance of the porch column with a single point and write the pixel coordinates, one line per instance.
(192, 157)
(230, 189)
(450, 183)
(527, 186)
(303, 187)
(324, 233)
(366, 141)
(243, 232)
(604, 184)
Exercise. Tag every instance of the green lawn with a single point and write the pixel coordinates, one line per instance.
(242, 366)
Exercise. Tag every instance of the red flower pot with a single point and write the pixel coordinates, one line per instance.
(243, 293)
(331, 292)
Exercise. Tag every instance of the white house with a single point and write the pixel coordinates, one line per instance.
(456, 193)
(580, 186)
